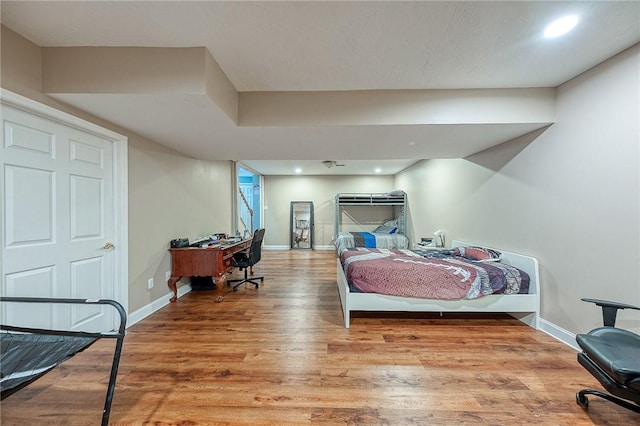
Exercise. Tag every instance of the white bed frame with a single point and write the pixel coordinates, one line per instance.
(525, 307)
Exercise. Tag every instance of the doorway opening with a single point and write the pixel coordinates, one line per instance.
(249, 214)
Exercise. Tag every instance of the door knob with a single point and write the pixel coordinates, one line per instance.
(108, 246)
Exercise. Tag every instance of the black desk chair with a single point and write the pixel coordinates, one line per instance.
(611, 355)
(246, 260)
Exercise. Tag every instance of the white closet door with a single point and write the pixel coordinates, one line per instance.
(57, 218)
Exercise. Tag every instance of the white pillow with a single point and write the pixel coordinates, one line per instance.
(385, 230)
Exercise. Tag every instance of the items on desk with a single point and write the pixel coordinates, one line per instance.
(207, 240)
(201, 243)
(179, 243)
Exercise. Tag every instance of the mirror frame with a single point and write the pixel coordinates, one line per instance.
(293, 242)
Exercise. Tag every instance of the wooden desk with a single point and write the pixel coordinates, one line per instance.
(204, 262)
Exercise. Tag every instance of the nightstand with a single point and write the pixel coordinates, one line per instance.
(419, 246)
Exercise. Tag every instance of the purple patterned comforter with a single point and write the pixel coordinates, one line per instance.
(405, 273)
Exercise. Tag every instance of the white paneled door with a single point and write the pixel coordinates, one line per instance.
(58, 219)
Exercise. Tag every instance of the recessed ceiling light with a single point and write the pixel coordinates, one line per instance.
(561, 26)
(298, 170)
(412, 143)
(378, 170)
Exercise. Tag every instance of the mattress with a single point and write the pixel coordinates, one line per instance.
(345, 240)
(434, 275)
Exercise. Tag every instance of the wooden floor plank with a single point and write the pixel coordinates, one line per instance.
(280, 355)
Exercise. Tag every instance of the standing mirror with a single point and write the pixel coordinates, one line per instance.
(301, 225)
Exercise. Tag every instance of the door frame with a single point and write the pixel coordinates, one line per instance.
(120, 182)
(234, 198)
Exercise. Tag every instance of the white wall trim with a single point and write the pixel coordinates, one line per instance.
(157, 304)
(558, 333)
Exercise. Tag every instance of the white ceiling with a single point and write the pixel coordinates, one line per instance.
(330, 46)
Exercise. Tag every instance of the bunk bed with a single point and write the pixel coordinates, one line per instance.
(522, 305)
(29, 353)
(390, 233)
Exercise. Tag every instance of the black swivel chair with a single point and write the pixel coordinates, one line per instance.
(611, 355)
(245, 260)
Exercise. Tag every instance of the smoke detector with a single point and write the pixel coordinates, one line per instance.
(331, 163)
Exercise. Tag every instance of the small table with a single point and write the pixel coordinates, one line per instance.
(213, 262)
(434, 248)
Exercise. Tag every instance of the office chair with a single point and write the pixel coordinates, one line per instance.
(611, 355)
(246, 260)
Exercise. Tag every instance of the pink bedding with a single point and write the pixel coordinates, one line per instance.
(405, 273)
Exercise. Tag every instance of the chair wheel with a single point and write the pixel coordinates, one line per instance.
(582, 400)
(235, 289)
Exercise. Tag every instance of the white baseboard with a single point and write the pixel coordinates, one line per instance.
(147, 310)
(558, 333)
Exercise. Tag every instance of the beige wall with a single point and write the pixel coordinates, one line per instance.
(569, 197)
(279, 191)
(20, 64)
(170, 195)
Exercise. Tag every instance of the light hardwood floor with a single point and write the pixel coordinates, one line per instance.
(281, 355)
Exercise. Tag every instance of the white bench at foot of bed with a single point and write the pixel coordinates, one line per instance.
(525, 307)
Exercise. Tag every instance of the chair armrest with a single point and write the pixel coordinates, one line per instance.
(609, 309)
